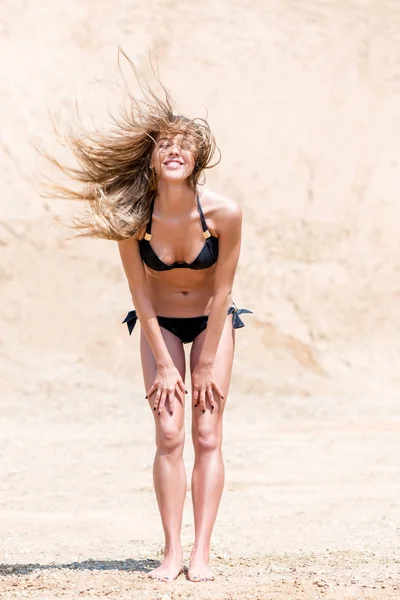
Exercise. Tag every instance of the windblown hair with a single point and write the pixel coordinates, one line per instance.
(113, 170)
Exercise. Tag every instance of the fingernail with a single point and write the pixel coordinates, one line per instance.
(146, 397)
(170, 412)
(186, 392)
(212, 406)
(196, 405)
(159, 413)
(154, 408)
(203, 410)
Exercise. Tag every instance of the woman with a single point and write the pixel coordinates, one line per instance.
(179, 246)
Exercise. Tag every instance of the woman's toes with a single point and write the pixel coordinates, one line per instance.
(165, 572)
(200, 577)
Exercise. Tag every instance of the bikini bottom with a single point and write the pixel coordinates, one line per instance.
(187, 328)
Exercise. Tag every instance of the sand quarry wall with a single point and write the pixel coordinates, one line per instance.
(304, 99)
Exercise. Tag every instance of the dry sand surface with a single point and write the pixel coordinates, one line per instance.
(304, 98)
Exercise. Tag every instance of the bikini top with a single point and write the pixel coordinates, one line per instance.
(206, 258)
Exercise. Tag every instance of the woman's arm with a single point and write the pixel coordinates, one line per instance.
(228, 255)
(134, 271)
(167, 377)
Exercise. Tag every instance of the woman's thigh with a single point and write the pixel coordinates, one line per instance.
(222, 369)
(149, 368)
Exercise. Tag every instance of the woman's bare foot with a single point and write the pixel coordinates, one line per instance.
(170, 568)
(199, 569)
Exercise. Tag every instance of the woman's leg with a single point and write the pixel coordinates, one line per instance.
(168, 470)
(208, 470)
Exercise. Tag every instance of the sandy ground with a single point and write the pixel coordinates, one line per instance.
(304, 98)
(311, 506)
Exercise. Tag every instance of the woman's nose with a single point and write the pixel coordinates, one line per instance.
(174, 149)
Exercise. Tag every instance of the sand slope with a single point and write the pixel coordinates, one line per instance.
(304, 100)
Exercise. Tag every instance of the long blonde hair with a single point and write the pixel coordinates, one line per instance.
(113, 171)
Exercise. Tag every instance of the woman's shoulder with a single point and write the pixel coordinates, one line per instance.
(139, 235)
(219, 206)
(221, 212)
(136, 237)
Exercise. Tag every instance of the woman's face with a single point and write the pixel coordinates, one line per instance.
(173, 157)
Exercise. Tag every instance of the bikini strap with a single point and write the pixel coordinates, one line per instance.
(148, 235)
(206, 231)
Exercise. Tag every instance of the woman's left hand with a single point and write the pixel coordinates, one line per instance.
(203, 383)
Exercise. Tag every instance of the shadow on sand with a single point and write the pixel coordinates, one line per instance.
(130, 564)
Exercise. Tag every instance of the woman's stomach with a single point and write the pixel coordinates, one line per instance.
(181, 292)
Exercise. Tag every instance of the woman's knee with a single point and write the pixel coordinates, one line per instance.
(170, 439)
(206, 437)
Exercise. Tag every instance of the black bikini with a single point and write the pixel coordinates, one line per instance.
(185, 328)
(206, 258)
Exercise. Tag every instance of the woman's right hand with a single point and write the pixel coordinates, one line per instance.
(167, 382)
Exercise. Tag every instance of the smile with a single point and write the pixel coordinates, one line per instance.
(173, 163)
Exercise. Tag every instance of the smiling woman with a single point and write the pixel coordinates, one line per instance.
(179, 245)
(173, 155)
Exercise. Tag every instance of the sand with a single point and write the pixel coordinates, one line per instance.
(304, 100)
(310, 510)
